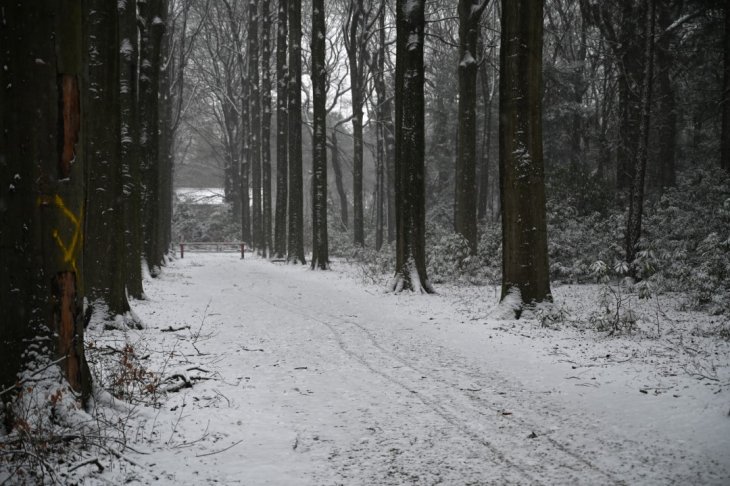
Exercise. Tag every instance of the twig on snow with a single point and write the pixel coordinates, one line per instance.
(93, 460)
(219, 451)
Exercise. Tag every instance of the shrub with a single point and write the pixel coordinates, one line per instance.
(687, 240)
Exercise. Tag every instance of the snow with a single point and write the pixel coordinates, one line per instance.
(288, 376)
(467, 60)
(126, 47)
(207, 195)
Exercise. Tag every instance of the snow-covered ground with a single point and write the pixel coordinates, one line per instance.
(314, 378)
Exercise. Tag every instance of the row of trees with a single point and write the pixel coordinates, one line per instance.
(90, 105)
(99, 127)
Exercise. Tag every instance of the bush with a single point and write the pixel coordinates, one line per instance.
(686, 243)
(198, 222)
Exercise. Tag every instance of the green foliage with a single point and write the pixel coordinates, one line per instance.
(448, 258)
(686, 245)
(584, 225)
(203, 222)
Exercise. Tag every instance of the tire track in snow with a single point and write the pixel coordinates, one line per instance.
(491, 378)
(450, 417)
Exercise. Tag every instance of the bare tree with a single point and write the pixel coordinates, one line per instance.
(465, 207)
(410, 270)
(266, 87)
(636, 196)
(282, 131)
(525, 276)
(295, 248)
(320, 245)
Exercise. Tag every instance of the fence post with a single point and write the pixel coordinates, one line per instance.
(182, 251)
(243, 249)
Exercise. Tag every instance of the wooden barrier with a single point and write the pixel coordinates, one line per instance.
(218, 245)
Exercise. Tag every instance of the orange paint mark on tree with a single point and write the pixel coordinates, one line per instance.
(65, 313)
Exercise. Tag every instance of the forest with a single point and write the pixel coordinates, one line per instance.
(499, 154)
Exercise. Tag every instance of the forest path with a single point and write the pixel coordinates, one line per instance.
(314, 379)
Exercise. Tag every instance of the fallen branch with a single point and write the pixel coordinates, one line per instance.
(219, 451)
(174, 329)
(93, 460)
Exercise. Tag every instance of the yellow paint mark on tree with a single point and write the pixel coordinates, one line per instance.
(69, 251)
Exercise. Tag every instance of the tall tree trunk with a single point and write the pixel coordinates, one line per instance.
(165, 163)
(128, 52)
(636, 196)
(151, 13)
(254, 126)
(295, 248)
(629, 73)
(320, 245)
(282, 133)
(42, 149)
(484, 193)
(266, 125)
(354, 55)
(104, 253)
(379, 175)
(725, 137)
(465, 204)
(337, 169)
(377, 67)
(388, 130)
(666, 107)
(525, 274)
(410, 270)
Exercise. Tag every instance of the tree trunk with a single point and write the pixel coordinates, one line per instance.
(104, 253)
(725, 102)
(666, 107)
(128, 52)
(337, 169)
(636, 196)
(320, 247)
(295, 249)
(354, 50)
(525, 276)
(387, 127)
(282, 166)
(410, 271)
(484, 192)
(164, 197)
(151, 13)
(254, 127)
(465, 204)
(266, 126)
(41, 146)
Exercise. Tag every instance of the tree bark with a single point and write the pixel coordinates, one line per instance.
(131, 173)
(266, 126)
(484, 193)
(254, 126)
(42, 198)
(355, 49)
(465, 204)
(282, 133)
(636, 195)
(320, 246)
(525, 274)
(725, 102)
(151, 13)
(295, 248)
(339, 184)
(410, 271)
(666, 106)
(104, 253)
